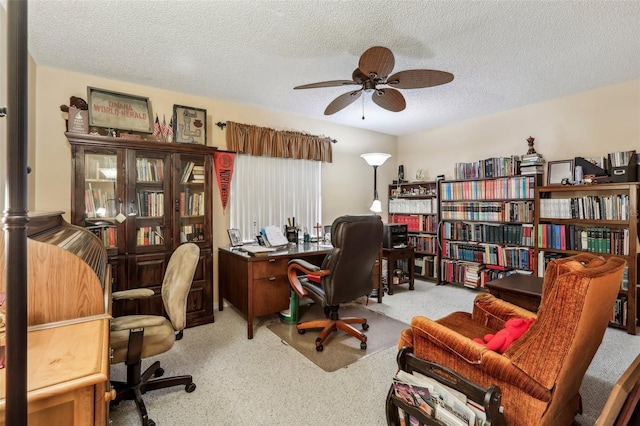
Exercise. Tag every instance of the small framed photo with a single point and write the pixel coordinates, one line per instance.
(235, 237)
(557, 171)
(190, 124)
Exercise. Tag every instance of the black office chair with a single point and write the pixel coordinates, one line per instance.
(345, 275)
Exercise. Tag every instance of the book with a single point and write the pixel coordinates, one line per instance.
(187, 171)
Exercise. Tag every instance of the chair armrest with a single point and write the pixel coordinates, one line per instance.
(135, 293)
(493, 312)
(426, 329)
(129, 322)
(437, 343)
(306, 268)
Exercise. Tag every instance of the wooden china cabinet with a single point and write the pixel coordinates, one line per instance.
(143, 199)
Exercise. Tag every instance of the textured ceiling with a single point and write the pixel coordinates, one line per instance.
(503, 54)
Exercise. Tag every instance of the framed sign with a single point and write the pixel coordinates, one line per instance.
(557, 171)
(119, 111)
(190, 124)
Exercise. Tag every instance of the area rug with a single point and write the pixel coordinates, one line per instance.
(340, 349)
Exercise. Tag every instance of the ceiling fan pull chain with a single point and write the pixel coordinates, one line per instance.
(363, 107)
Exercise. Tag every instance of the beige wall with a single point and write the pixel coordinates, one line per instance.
(587, 124)
(347, 182)
(4, 121)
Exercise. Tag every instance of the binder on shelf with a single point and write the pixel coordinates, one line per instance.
(625, 172)
(588, 168)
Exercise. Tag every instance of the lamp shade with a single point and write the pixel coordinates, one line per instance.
(375, 158)
(376, 206)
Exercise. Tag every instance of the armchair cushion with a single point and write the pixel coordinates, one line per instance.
(494, 313)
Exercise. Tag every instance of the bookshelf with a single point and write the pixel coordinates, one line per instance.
(144, 199)
(486, 228)
(600, 219)
(416, 205)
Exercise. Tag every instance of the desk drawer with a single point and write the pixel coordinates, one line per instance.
(270, 295)
(270, 267)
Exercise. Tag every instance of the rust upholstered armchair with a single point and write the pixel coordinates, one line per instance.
(345, 275)
(540, 373)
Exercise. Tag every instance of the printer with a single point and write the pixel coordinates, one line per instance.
(394, 235)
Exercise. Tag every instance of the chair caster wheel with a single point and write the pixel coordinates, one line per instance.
(302, 331)
(319, 348)
(159, 372)
(363, 345)
(365, 326)
(190, 387)
(151, 423)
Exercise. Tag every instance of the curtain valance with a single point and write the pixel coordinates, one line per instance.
(253, 140)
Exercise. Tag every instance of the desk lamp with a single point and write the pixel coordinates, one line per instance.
(375, 159)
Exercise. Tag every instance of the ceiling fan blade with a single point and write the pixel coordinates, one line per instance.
(415, 79)
(331, 83)
(389, 99)
(342, 101)
(377, 60)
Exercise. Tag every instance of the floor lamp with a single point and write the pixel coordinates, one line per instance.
(375, 159)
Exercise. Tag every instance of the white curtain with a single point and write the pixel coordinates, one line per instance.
(266, 191)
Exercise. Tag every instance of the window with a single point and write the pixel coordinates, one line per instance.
(266, 191)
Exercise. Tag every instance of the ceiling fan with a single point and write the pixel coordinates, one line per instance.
(374, 67)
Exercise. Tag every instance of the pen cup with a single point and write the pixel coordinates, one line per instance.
(292, 235)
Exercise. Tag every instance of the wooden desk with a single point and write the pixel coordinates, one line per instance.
(68, 372)
(392, 256)
(258, 285)
(521, 290)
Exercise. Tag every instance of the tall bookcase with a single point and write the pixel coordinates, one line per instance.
(601, 219)
(486, 228)
(143, 199)
(416, 205)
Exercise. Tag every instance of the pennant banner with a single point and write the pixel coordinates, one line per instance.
(223, 162)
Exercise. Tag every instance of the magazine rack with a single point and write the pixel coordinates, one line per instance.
(488, 398)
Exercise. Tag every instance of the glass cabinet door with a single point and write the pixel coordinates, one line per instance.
(148, 202)
(101, 201)
(192, 198)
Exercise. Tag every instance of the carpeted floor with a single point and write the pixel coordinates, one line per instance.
(340, 349)
(265, 382)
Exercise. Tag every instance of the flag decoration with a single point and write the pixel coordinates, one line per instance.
(163, 128)
(169, 137)
(156, 128)
(223, 163)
